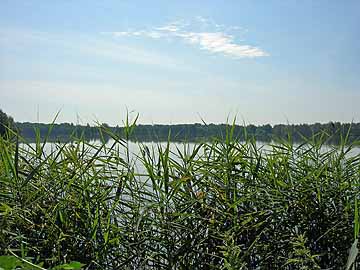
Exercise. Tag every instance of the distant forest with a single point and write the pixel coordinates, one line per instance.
(334, 131)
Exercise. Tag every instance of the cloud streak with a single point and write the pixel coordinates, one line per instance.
(216, 42)
(93, 47)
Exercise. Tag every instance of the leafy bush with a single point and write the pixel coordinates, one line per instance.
(14, 262)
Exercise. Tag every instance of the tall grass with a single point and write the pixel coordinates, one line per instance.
(219, 205)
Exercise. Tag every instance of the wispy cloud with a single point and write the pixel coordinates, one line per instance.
(214, 40)
(218, 42)
(100, 48)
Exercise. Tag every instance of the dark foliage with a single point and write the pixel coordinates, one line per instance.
(335, 132)
(6, 123)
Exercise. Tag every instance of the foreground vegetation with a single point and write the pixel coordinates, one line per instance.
(223, 204)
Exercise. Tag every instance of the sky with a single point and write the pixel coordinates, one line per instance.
(171, 62)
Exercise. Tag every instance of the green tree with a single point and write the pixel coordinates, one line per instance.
(5, 123)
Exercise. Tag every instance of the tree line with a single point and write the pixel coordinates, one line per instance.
(334, 131)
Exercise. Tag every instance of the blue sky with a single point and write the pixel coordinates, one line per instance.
(180, 61)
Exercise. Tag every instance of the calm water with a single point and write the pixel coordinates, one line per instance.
(134, 147)
(185, 149)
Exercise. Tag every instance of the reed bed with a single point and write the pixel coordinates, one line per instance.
(223, 204)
